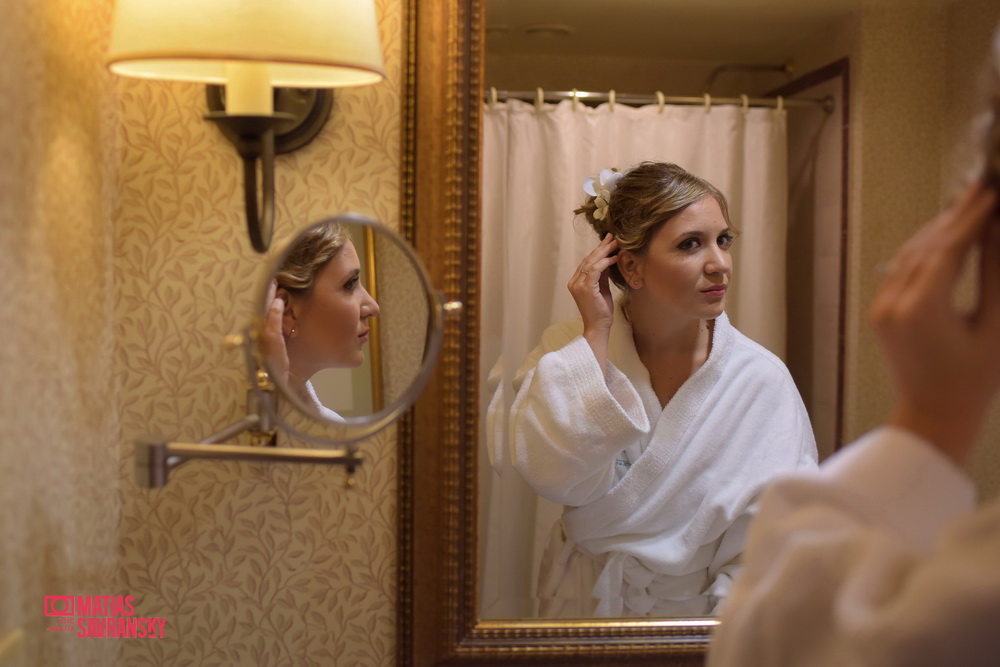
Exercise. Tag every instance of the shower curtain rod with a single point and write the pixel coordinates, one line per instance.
(592, 98)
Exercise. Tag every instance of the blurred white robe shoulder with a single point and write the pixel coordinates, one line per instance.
(657, 498)
(879, 558)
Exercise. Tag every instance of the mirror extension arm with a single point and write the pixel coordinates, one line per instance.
(155, 460)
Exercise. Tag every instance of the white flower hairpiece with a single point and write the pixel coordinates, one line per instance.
(601, 188)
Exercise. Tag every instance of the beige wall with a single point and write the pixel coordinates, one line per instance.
(59, 505)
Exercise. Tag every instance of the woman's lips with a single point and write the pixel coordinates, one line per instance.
(717, 290)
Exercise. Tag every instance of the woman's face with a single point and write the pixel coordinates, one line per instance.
(687, 267)
(331, 320)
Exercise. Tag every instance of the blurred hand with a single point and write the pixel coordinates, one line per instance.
(944, 363)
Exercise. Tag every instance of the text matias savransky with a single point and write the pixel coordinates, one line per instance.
(105, 616)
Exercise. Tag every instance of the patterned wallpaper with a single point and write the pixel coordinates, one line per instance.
(250, 564)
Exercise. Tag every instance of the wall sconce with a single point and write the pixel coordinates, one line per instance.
(257, 50)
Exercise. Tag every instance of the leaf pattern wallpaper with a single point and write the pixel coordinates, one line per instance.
(122, 235)
(249, 564)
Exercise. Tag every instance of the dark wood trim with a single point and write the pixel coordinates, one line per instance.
(838, 69)
(439, 202)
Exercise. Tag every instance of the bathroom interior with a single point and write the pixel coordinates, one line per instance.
(122, 228)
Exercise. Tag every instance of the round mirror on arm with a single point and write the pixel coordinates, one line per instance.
(349, 331)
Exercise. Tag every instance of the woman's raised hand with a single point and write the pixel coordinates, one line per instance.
(591, 291)
(944, 362)
(273, 336)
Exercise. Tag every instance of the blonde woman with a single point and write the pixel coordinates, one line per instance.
(318, 311)
(651, 419)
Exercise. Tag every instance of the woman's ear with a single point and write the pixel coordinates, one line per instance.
(630, 266)
(289, 317)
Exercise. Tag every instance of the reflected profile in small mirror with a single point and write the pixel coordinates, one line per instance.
(318, 312)
(349, 326)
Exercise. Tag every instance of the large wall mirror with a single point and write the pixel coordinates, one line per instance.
(451, 611)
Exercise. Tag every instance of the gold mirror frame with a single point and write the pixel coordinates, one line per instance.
(439, 440)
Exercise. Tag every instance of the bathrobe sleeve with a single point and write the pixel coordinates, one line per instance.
(568, 422)
(876, 559)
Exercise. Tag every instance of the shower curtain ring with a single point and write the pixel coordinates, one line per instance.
(746, 102)
(781, 103)
(576, 100)
(611, 100)
(539, 98)
(708, 102)
(493, 97)
(661, 101)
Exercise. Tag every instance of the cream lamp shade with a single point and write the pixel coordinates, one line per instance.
(293, 43)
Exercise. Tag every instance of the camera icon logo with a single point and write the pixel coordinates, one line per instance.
(58, 605)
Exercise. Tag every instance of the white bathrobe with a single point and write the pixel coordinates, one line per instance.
(657, 500)
(879, 559)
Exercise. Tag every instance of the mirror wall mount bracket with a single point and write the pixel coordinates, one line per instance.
(155, 459)
(299, 116)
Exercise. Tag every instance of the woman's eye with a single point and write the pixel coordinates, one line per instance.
(689, 244)
(726, 240)
(351, 284)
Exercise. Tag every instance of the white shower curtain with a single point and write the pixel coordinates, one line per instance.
(535, 159)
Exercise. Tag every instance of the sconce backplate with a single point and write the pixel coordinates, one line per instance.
(309, 108)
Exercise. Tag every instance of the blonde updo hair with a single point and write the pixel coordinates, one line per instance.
(317, 246)
(647, 196)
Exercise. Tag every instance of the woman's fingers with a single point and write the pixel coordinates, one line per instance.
(272, 289)
(940, 358)
(597, 260)
(589, 284)
(940, 248)
(927, 267)
(273, 337)
(272, 324)
(590, 290)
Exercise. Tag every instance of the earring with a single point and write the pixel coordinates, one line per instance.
(635, 283)
(292, 333)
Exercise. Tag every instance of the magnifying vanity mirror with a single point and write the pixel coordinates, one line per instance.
(348, 333)
(350, 326)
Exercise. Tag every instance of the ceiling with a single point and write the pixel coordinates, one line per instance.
(747, 31)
